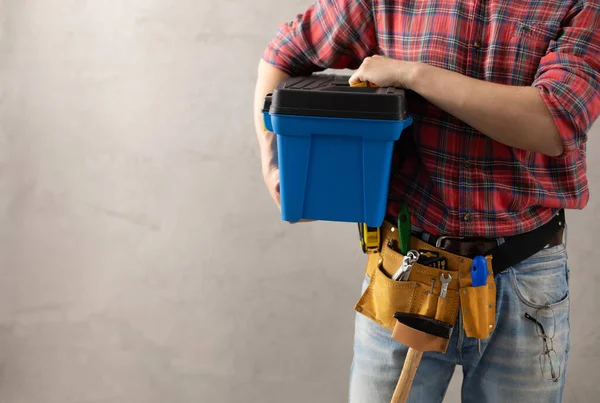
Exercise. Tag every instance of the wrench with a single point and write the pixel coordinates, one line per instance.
(445, 282)
(407, 263)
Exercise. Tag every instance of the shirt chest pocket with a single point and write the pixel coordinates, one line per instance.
(531, 42)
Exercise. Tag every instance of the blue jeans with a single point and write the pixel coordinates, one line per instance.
(510, 367)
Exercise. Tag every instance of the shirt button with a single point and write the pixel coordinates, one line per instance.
(477, 44)
(467, 217)
(467, 164)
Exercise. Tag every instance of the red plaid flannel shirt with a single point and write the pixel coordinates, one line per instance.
(456, 180)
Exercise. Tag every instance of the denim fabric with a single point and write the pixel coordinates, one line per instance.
(508, 369)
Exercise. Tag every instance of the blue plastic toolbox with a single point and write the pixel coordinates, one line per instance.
(335, 146)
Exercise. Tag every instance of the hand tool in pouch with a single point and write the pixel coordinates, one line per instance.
(420, 334)
(404, 233)
(408, 262)
(404, 229)
(445, 279)
(479, 271)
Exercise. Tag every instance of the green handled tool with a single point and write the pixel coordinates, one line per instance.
(404, 229)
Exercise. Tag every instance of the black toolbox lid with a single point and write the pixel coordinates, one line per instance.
(331, 96)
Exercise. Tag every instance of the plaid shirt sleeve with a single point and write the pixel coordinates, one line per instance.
(329, 34)
(569, 78)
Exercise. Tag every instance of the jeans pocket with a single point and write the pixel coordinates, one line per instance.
(542, 280)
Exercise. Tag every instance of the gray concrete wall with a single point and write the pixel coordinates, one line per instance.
(141, 259)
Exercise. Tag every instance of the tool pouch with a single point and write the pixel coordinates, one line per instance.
(384, 297)
(478, 304)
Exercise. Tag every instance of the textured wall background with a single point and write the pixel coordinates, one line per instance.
(141, 259)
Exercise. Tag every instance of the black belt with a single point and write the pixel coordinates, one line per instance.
(514, 250)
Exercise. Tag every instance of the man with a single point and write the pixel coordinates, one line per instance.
(503, 94)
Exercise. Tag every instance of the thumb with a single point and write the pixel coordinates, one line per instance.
(355, 79)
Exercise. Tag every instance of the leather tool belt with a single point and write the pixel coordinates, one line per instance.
(421, 293)
(514, 250)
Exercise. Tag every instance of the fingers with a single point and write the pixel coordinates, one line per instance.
(272, 181)
(273, 184)
(355, 78)
(277, 196)
(358, 76)
(361, 74)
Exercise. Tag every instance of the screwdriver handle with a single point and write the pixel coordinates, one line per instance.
(479, 271)
(404, 229)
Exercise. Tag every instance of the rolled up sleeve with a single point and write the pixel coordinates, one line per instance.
(568, 76)
(329, 34)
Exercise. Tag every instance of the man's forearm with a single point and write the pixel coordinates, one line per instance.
(515, 116)
(268, 78)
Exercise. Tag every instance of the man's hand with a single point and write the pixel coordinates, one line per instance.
(268, 78)
(385, 72)
(270, 168)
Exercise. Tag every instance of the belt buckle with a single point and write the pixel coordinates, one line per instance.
(439, 240)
